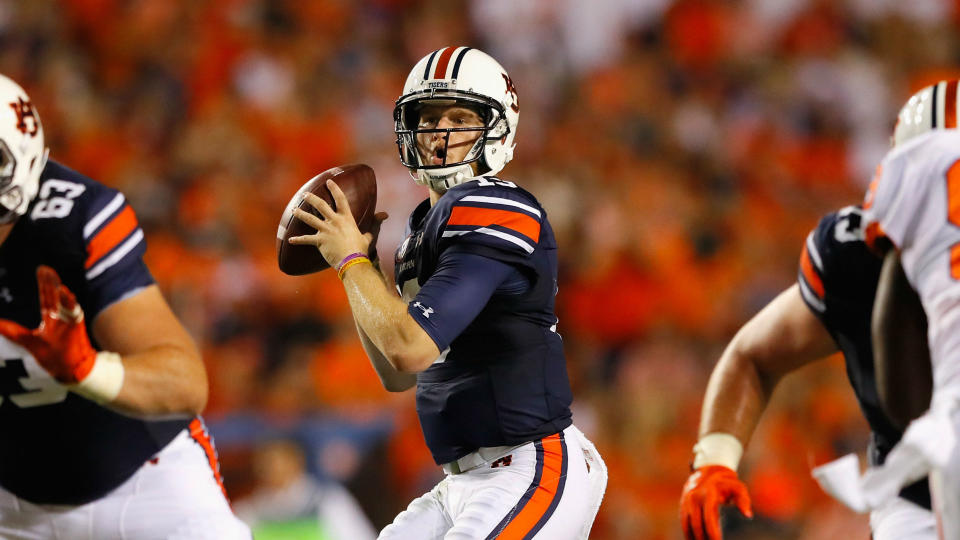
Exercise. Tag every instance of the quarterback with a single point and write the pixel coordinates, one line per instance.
(100, 385)
(474, 326)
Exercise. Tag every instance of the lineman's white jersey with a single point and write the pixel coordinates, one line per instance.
(914, 201)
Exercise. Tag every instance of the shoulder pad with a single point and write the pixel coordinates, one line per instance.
(71, 201)
(835, 258)
(490, 213)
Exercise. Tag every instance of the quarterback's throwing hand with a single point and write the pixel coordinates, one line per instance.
(707, 488)
(60, 344)
(337, 233)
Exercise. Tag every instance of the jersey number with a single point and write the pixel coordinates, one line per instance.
(850, 225)
(59, 206)
(26, 389)
(953, 215)
(495, 182)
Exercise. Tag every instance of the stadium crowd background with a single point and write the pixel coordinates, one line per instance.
(682, 148)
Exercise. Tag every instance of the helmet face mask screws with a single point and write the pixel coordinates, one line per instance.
(456, 77)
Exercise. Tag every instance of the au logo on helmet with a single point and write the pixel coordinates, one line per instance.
(512, 90)
(25, 112)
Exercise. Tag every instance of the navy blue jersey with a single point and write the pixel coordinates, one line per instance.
(838, 281)
(58, 447)
(503, 379)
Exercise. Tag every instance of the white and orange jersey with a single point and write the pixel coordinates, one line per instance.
(914, 202)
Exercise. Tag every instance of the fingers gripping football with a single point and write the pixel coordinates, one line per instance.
(337, 233)
(706, 490)
(60, 344)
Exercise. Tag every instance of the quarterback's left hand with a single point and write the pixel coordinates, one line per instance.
(707, 488)
(60, 344)
(337, 233)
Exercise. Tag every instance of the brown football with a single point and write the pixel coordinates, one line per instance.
(358, 183)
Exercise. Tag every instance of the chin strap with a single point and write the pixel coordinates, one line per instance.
(447, 178)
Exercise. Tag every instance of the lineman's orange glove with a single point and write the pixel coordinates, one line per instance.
(707, 488)
(60, 344)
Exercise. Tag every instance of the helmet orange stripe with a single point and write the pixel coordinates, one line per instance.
(950, 106)
(443, 62)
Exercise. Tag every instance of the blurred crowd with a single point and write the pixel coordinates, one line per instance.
(682, 148)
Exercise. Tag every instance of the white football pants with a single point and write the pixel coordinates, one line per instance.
(546, 489)
(945, 488)
(174, 497)
(900, 519)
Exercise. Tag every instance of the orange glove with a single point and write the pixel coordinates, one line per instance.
(60, 344)
(707, 488)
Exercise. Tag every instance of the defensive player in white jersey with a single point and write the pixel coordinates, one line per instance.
(827, 310)
(914, 206)
(474, 328)
(100, 385)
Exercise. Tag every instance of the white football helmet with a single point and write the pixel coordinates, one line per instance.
(934, 107)
(22, 151)
(470, 77)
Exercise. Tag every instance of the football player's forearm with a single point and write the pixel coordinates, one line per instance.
(736, 396)
(392, 380)
(383, 317)
(783, 337)
(166, 380)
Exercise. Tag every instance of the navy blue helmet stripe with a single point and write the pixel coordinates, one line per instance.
(933, 109)
(456, 63)
(426, 71)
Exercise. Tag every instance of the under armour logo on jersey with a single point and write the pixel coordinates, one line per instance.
(505, 461)
(426, 310)
(5, 295)
(27, 121)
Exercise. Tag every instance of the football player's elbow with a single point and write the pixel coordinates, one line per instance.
(748, 355)
(199, 395)
(398, 384)
(411, 360)
(411, 350)
(195, 389)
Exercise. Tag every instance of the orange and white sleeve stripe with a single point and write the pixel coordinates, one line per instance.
(110, 235)
(505, 219)
(811, 282)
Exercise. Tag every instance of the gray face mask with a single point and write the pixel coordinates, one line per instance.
(10, 199)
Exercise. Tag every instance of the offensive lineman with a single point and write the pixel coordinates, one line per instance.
(829, 309)
(475, 329)
(99, 402)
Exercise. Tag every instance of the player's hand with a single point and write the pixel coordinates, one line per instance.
(60, 344)
(707, 488)
(337, 233)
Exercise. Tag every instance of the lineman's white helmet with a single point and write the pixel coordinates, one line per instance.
(470, 77)
(22, 151)
(934, 107)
